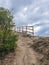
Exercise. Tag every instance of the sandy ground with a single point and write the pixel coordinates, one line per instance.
(25, 55)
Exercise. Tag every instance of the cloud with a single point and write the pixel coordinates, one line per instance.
(5, 3)
(30, 12)
(36, 14)
(37, 29)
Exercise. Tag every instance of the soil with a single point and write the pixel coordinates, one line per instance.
(23, 55)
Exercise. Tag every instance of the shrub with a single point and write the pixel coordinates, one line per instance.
(7, 37)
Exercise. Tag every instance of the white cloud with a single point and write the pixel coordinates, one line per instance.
(37, 29)
(8, 4)
(46, 13)
(33, 13)
(25, 9)
(34, 23)
(20, 16)
(5, 3)
(36, 9)
(43, 1)
(45, 21)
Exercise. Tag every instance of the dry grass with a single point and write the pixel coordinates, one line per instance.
(41, 46)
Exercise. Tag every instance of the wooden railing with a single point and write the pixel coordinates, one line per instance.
(26, 30)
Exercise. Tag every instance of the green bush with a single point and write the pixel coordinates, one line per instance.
(8, 45)
(7, 37)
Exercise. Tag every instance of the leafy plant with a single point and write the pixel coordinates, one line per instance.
(7, 37)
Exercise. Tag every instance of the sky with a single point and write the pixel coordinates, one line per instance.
(30, 12)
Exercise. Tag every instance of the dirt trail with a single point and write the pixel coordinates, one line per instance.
(25, 55)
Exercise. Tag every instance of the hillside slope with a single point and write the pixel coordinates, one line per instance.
(41, 46)
(25, 55)
(29, 51)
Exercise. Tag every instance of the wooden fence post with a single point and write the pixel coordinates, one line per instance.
(22, 29)
(32, 30)
(26, 29)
